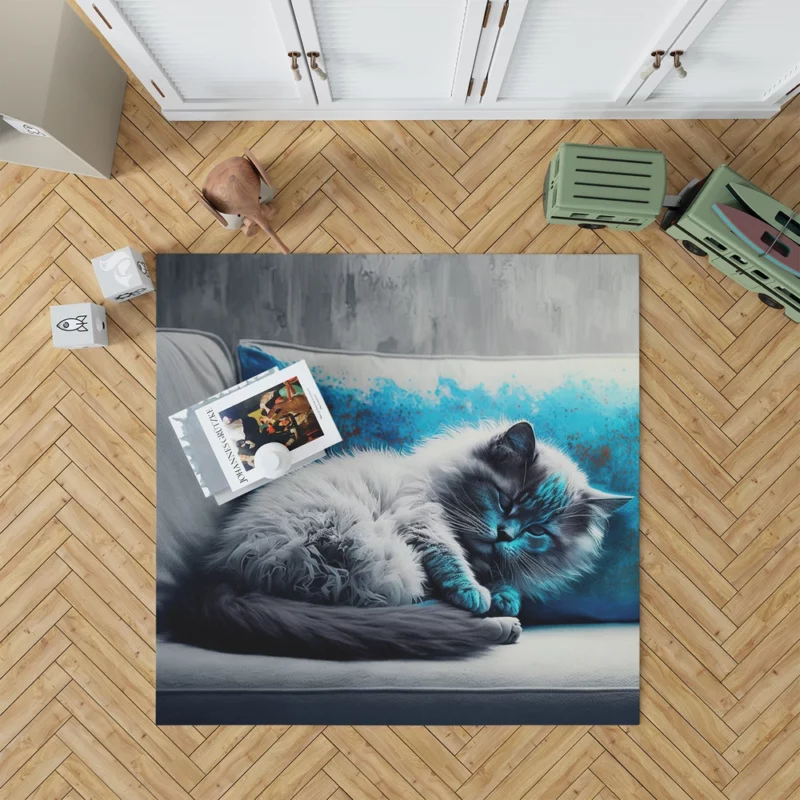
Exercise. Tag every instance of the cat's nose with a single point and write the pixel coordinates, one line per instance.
(503, 534)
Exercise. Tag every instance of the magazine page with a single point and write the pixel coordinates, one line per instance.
(197, 447)
(226, 495)
(285, 407)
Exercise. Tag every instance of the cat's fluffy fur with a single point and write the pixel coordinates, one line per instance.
(331, 561)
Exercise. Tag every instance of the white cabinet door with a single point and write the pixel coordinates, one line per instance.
(576, 52)
(735, 50)
(391, 54)
(208, 54)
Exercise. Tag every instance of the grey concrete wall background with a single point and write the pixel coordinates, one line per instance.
(476, 305)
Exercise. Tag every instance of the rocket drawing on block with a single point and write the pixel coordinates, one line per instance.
(78, 325)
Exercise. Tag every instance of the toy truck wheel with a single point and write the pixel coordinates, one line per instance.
(769, 301)
(592, 226)
(693, 248)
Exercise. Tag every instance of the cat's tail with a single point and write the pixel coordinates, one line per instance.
(219, 618)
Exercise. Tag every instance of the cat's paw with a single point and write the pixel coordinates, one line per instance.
(506, 602)
(502, 630)
(475, 599)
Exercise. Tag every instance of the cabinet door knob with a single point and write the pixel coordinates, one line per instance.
(295, 67)
(313, 56)
(657, 56)
(676, 60)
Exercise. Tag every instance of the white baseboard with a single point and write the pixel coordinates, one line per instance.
(649, 111)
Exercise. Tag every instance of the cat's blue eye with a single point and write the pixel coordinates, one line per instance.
(537, 532)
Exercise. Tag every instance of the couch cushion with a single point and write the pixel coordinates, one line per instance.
(191, 366)
(554, 674)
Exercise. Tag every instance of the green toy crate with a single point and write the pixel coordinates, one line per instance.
(598, 187)
(697, 226)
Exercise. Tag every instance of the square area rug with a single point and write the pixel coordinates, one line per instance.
(468, 554)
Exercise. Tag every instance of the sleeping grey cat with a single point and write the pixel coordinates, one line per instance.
(333, 560)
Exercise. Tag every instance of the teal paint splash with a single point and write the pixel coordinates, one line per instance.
(595, 422)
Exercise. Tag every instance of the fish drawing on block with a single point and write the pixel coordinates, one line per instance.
(763, 238)
(77, 324)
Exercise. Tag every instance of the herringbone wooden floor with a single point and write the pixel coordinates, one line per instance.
(720, 471)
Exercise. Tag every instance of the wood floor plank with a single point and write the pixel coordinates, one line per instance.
(12, 176)
(393, 189)
(30, 703)
(244, 135)
(31, 629)
(771, 431)
(157, 165)
(492, 154)
(91, 529)
(31, 593)
(347, 777)
(684, 736)
(236, 762)
(437, 143)
(675, 583)
(299, 153)
(375, 227)
(31, 266)
(21, 241)
(89, 752)
(475, 134)
(419, 161)
(682, 554)
(158, 203)
(748, 380)
(690, 462)
(760, 404)
(685, 376)
(699, 427)
(31, 484)
(25, 199)
(113, 611)
(516, 193)
(770, 723)
(499, 182)
(119, 743)
(152, 740)
(159, 131)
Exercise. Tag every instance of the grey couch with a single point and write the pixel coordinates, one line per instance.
(556, 674)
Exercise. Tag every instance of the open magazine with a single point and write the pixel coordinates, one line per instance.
(222, 434)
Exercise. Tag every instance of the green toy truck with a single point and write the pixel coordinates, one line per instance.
(625, 189)
(605, 187)
(701, 231)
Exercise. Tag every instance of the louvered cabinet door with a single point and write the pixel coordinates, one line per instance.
(735, 51)
(208, 54)
(390, 54)
(562, 53)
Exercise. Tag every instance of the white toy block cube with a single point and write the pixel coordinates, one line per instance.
(78, 325)
(122, 274)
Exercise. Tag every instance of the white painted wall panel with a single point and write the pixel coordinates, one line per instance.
(390, 49)
(748, 48)
(214, 49)
(583, 49)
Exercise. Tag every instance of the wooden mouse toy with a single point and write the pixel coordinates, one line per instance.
(237, 192)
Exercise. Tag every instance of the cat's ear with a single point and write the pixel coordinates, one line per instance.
(520, 439)
(606, 503)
